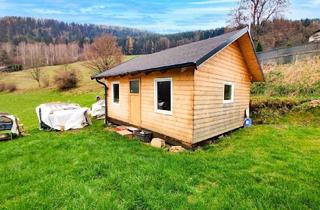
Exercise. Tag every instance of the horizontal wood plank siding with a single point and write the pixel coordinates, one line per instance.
(119, 111)
(211, 116)
(179, 125)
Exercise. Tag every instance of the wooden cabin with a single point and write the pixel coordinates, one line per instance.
(189, 93)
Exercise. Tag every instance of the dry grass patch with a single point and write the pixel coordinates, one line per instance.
(302, 72)
(299, 79)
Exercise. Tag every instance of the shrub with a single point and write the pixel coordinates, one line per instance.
(15, 67)
(2, 87)
(66, 80)
(45, 81)
(269, 110)
(258, 88)
(11, 87)
(283, 90)
(8, 87)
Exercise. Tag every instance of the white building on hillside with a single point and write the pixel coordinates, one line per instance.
(315, 37)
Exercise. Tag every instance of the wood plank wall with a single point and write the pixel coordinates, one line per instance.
(179, 125)
(119, 111)
(211, 116)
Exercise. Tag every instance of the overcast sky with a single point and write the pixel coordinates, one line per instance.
(162, 16)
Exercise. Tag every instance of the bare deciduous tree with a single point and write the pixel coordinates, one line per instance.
(36, 74)
(36, 61)
(129, 45)
(257, 12)
(238, 17)
(103, 54)
(53, 53)
(4, 58)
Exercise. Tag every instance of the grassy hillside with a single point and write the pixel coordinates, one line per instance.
(24, 81)
(288, 88)
(267, 166)
(301, 79)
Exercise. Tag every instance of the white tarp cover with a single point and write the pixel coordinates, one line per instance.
(98, 109)
(63, 116)
(14, 129)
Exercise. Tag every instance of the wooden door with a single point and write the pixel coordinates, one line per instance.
(135, 102)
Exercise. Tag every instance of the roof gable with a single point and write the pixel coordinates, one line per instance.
(192, 54)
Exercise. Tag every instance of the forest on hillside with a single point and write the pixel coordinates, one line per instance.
(20, 35)
(15, 30)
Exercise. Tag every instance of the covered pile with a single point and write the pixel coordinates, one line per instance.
(62, 116)
(98, 109)
(10, 124)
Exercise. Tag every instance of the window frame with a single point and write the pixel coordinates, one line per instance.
(156, 80)
(112, 92)
(130, 86)
(232, 93)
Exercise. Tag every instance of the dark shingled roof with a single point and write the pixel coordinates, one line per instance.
(192, 54)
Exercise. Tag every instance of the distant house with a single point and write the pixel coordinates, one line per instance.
(186, 94)
(315, 37)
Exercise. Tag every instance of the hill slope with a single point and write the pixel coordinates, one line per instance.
(24, 81)
(300, 79)
(133, 41)
(276, 33)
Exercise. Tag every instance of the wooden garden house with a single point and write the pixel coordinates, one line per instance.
(188, 93)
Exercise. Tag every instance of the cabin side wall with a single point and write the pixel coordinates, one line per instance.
(212, 116)
(119, 111)
(179, 125)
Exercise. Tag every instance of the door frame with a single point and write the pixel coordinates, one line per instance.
(135, 94)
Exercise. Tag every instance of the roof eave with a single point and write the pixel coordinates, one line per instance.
(259, 65)
(163, 68)
(225, 44)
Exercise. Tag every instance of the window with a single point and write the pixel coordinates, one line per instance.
(134, 86)
(115, 92)
(228, 92)
(163, 95)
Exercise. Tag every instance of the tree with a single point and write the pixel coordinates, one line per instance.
(36, 61)
(103, 54)
(129, 45)
(259, 47)
(238, 18)
(258, 12)
(36, 74)
(4, 58)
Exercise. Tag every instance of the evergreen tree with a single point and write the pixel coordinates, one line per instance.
(259, 47)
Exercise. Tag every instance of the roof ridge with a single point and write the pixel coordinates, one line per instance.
(193, 53)
(223, 45)
(214, 37)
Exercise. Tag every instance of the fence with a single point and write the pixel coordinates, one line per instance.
(289, 55)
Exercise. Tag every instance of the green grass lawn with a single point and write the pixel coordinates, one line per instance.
(262, 167)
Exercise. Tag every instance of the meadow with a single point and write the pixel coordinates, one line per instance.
(267, 166)
(24, 81)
